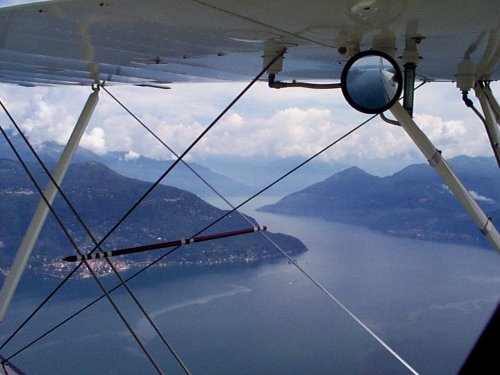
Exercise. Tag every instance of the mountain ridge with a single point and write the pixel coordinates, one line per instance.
(257, 171)
(138, 166)
(413, 202)
(102, 196)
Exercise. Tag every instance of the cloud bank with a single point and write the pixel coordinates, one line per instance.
(267, 123)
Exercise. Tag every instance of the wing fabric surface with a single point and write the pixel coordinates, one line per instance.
(158, 42)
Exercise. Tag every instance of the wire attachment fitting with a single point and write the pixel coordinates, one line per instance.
(487, 227)
(436, 158)
(96, 86)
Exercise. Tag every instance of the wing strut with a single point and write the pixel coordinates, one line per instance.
(437, 161)
(38, 219)
(491, 113)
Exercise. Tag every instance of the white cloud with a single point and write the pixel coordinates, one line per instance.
(450, 135)
(131, 155)
(275, 123)
(480, 197)
(95, 141)
(44, 122)
(446, 188)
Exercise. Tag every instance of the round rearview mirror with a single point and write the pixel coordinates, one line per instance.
(371, 82)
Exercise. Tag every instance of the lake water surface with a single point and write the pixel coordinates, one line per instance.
(428, 301)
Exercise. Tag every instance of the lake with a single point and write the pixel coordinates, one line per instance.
(428, 301)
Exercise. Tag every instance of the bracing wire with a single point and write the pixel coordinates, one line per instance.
(215, 121)
(191, 146)
(39, 307)
(88, 231)
(315, 282)
(324, 290)
(342, 306)
(75, 246)
(122, 281)
(265, 235)
(268, 238)
(137, 273)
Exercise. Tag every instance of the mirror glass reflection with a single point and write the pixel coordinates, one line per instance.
(371, 82)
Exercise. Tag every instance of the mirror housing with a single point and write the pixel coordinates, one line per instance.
(371, 82)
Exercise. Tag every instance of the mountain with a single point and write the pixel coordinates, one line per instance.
(181, 176)
(101, 197)
(412, 203)
(141, 167)
(248, 174)
(147, 169)
(258, 172)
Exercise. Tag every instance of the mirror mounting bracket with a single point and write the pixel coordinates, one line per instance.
(273, 48)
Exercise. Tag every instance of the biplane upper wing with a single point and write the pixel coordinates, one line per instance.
(163, 41)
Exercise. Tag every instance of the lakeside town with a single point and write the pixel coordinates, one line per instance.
(58, 269)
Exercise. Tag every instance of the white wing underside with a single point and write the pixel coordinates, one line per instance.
(163, 41)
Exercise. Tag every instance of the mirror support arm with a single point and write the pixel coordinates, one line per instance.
(388, 120)
(317, 86)
(435, 159)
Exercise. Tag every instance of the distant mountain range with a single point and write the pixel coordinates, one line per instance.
(411, 203)
(259, 171)
(248, 175)
(140, 167)
(102, 196)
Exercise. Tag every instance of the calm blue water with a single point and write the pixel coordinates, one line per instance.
(428, 301)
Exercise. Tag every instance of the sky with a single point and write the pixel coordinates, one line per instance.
(267, 123)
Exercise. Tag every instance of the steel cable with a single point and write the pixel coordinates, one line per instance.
(89, 233)
(180, 158)
(75, 246)
(137, 273)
